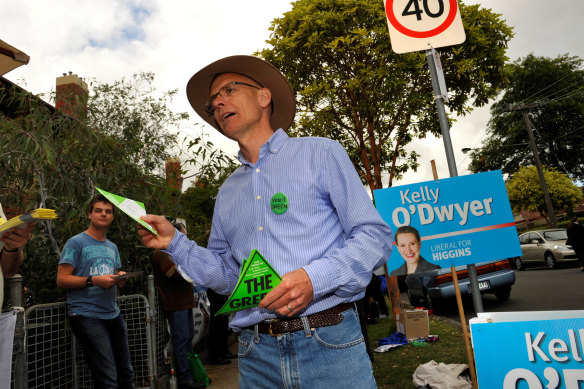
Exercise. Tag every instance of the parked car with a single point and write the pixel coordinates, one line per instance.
(544, 247)
(434, 286)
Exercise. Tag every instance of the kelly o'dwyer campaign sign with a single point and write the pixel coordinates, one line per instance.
(461, 220)
(529, 350)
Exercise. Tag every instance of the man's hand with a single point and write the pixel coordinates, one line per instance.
(106, 281)
(291, 296)
(162, 226)
(122, 281)
(17, 237)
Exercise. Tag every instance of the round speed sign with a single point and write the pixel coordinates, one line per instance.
(420, 24)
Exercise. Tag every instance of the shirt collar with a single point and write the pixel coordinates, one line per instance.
(273, 146)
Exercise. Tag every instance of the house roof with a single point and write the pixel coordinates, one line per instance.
(11, 58)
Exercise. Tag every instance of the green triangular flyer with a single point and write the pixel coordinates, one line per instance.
(256, 279)
(130, 207)
(243, 268)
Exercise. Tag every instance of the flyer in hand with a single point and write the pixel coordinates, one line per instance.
(256, 278)
(128, 275)
(130, 207)
(32, 216)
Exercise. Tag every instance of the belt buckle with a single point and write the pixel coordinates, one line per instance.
(270, 327)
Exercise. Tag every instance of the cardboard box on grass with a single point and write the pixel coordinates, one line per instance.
(414, 324)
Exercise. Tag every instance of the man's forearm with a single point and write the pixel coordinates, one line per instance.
(71, 281)
(10, 261)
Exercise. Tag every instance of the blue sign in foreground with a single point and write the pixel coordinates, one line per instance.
(461, 220)
(529, 350)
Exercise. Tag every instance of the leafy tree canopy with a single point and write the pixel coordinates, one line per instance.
(353, 88)
(51, 160)
(525, 191)
(198, 203)
(552, 91)
(129, 111)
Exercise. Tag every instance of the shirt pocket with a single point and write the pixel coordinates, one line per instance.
(301, 217)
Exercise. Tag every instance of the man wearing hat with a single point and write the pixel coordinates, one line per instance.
(301, 204)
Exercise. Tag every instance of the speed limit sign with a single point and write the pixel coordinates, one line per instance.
(420, 24)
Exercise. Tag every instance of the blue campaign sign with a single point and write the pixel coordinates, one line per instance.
(534, 354)
(460, 220)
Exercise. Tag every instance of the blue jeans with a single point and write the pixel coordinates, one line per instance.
(182, 331)
(106, 350)
(325, 357)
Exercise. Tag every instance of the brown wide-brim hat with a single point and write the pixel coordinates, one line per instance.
(265, 74)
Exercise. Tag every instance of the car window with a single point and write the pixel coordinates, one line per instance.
(556, 235)
(534, 236)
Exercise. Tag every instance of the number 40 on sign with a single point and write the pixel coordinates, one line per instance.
(416, 25)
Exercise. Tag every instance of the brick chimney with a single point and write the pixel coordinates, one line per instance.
(173, 173)
(72, 95)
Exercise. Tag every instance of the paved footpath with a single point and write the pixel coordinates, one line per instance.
(224, 376)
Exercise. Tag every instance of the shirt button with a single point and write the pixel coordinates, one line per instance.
(261, 228)
(258, 197)
(257, 170)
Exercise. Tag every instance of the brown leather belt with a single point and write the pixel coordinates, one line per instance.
(328, 317)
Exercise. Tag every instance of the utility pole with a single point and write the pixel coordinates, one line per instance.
(546, 195)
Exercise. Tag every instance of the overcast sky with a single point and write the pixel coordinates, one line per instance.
(110, 39)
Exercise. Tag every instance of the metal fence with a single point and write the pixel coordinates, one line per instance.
(47, 355)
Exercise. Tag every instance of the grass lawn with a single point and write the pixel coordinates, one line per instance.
(395, 368)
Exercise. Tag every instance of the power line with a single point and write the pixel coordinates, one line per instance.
(558, 91)
(568, 133)
(481, 148)
(544, 89)
(577, 80)
(567, 95)
(560, 163)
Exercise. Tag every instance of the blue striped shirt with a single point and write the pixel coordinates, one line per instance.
(331, 228)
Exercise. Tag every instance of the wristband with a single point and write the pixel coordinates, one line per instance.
(89, 282)
(10, 251)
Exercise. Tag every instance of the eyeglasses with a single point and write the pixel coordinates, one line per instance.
(224, 92)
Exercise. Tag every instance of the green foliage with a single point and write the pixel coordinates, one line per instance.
(525, 191)
(51, 160)
(353, 88)
(201, 155)
(553, 87)
(140, 122)
(198, 203)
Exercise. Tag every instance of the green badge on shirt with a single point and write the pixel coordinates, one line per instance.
(279, 203)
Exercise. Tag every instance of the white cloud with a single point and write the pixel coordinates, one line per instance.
(175, 38)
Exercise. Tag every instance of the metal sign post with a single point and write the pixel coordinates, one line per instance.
(439, 98)
(467, 345)
(415, 26)
(422, 25)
